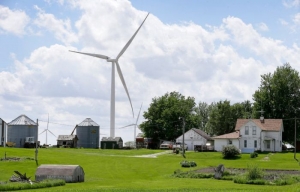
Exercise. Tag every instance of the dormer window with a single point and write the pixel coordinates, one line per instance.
(246, 130)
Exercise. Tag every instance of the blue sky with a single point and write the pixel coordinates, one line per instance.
(210, 50)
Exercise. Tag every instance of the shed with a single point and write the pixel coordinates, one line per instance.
(67, 141)
(88, 134)
(3, 129)
(69, 173)
(20, 128)
(111, 143)
(139, 140)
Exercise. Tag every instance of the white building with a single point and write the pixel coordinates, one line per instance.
(3, 132)
(195, 138)
(253, 134)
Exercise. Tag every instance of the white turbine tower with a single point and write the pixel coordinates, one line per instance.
(135, 125)
(115, 62)
(46, 130)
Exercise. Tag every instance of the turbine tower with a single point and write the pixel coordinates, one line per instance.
(114, 63)
(46, 130)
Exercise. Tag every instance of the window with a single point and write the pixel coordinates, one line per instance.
(229, 142)
(253, 130)
(268, 144)
(246, 130)
(255, 143)
(245, 143)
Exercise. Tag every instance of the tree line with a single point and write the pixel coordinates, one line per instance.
(277, 97)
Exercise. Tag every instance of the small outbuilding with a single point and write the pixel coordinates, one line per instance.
(67, 141)
(69, 173)
(111, 143)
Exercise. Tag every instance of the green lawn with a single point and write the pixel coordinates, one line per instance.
(119, 170)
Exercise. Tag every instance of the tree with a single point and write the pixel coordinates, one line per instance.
(279, 97)
(162, 118)
(202, 110)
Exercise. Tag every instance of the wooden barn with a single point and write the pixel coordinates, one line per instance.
(67, 141)
(111, 143)
(69, 173)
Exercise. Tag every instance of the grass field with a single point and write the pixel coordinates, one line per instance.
(122, 170)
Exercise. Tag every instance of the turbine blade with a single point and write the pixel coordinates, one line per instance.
(137, 119)
(48, 121)
(130, 40)
(124, 84)
(92, 54)
(43, 131)
(51, 133)
(127, 126)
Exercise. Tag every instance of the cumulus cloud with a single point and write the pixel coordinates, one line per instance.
(291, 3)
(13, 21)
(61, 29)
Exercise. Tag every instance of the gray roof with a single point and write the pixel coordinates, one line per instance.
(22, 120)
(66, 137)
(65, 170)
(202, 133)
(88, 122)
(111, 139)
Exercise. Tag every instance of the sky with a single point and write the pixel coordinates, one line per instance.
(207, 49)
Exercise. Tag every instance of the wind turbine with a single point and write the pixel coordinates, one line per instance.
(134, 124)
(46, 130)
(115, 62)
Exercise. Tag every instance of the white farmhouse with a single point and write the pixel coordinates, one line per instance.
(195, 138)
(253, 134)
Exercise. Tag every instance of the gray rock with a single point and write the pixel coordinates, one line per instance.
(219, 171)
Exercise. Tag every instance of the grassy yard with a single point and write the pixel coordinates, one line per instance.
(121, 170)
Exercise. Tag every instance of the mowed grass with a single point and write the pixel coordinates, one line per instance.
(121, 170)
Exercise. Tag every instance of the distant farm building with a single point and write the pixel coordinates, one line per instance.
(88, 134)
(67, 141)
(139, 140)
(69, 173)
(3, 129)
(111, 143)
(20, 128)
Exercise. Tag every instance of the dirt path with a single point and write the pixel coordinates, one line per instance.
(154, 155)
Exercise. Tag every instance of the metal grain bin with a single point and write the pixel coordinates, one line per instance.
(69, 173)
(3, 128)
(20, 128)
(88, 134)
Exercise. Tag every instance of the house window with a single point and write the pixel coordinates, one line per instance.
(255, 143)
(245, 143)
(268, 144)
(229, 142)
(253, 130)
(246, 130)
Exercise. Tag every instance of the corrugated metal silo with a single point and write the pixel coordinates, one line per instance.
(20, 128)
(88, 134)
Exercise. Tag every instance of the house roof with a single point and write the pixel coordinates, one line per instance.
(233, 135)
(268, 125)
(202, 133)
(22, 120)
(88, 122)
(66, 137)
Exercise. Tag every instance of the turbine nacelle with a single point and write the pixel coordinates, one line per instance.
(111, 60)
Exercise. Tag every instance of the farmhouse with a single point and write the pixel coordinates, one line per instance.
(196, 138)
(69, 173)
(111, 143)
(67, 141)
(253, 134)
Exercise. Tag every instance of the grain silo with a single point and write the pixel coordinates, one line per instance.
(3, 128)
(88, 134)
(20, 129)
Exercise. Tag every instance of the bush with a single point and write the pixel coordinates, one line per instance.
(254, 155)
(254, 172)
(10, 144)
(188, 164)
(230, 152)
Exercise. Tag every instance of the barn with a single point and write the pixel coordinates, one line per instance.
(69, 173)
(111, 143)
(20, 128)
(88, 134)
(67, 141)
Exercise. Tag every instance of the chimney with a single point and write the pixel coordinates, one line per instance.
(262, 119)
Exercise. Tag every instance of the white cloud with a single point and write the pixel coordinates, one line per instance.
(13, 21)
(61, 29)
(291, 3)
(263, 27)
(296, 19)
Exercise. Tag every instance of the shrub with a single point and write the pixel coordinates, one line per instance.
(254, 155)
(188, 164)
(230, 152)
(10, 144)
(254, 172)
